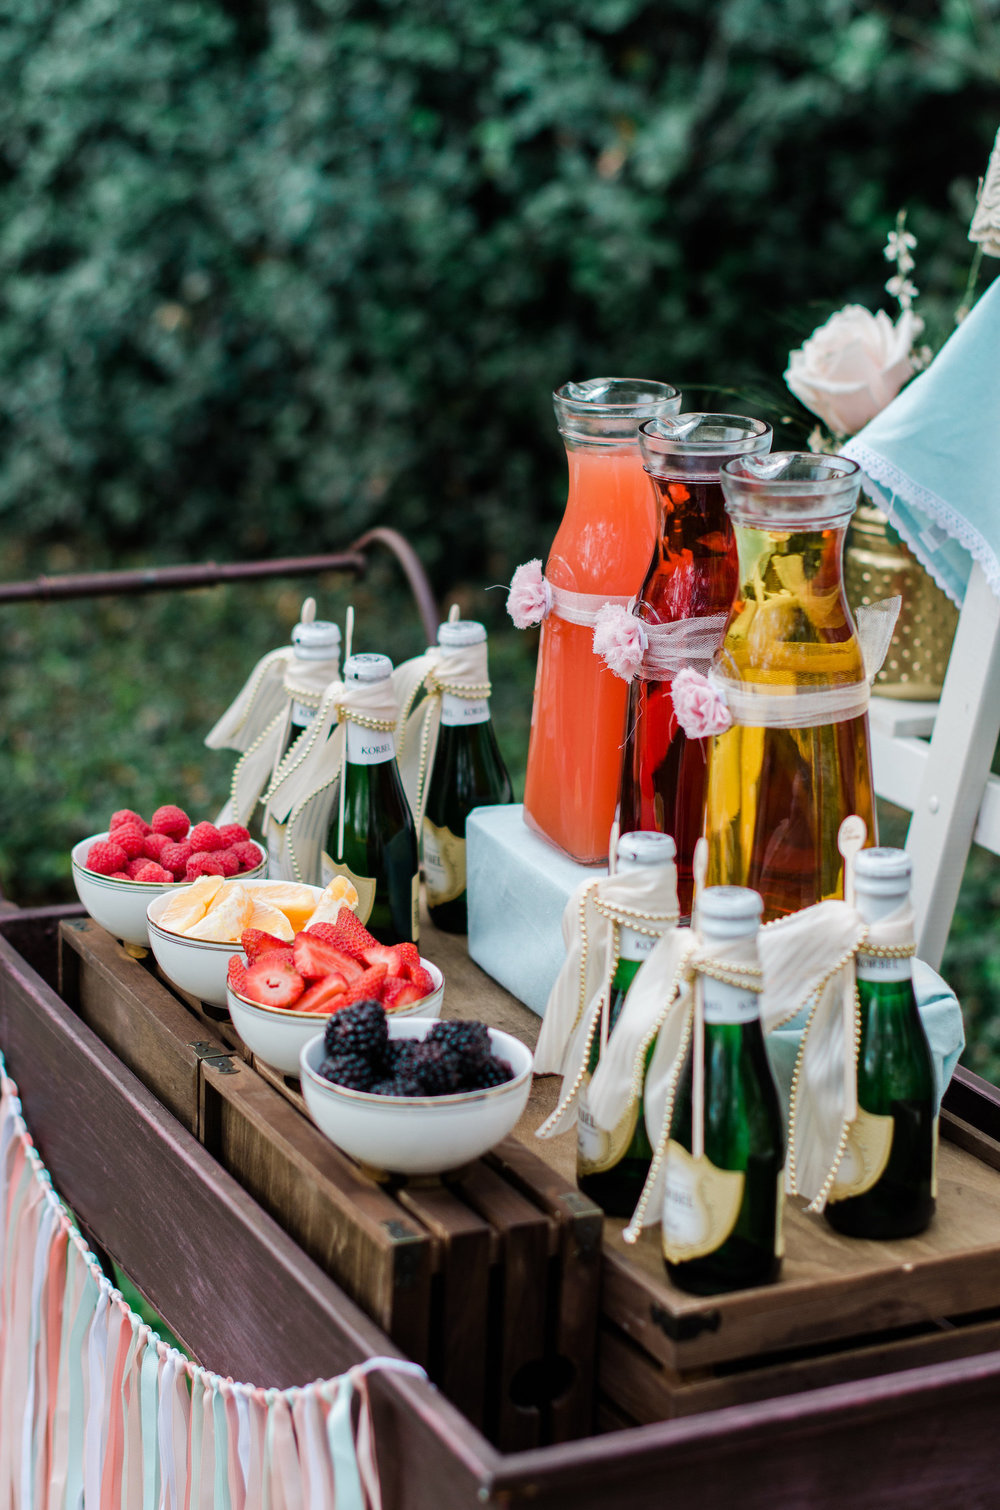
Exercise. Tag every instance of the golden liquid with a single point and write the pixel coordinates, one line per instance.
(777, 797)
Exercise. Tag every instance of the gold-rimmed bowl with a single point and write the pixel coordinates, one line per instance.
(417, 1135)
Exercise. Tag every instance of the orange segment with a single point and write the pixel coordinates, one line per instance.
(297, 902)
(271, 920)
(339, 893)
(190, 906)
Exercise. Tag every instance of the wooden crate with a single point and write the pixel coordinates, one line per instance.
(489, 1277)
(251, 1303)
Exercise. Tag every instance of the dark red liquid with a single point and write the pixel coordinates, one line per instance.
(693, 573)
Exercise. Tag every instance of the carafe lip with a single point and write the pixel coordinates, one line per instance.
(696, 444)
(607, 411)
(791, 489)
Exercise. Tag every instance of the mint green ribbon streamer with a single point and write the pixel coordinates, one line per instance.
(149, 1387)
(348, 1494)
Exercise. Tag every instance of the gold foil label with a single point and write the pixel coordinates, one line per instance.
(869, 1144)
(444, 864)
(364, 885)
(598, 1150)
(701, 1204)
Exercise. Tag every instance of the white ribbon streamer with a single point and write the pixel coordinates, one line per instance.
(462, 671)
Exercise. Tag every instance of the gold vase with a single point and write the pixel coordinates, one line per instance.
(878, 565)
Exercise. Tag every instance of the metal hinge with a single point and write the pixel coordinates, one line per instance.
(214, 1056)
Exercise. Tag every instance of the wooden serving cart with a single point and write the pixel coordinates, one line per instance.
(567, 1370)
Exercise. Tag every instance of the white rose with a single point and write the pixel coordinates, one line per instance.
(852, 366)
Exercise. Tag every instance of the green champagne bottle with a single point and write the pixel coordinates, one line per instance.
(468, 772)
(723, 1206)
(611, 1167)
(885, 1185)
(380, 840)
(316, 651)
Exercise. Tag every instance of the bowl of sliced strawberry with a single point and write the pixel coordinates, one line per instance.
(276, 990)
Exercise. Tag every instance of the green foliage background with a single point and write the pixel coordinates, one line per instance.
(272, 271)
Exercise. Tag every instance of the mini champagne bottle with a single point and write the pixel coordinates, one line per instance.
(723, 1201)
(468, 772)
(611, 1167)
(380, 843)
(316, 650)
(885, 1186)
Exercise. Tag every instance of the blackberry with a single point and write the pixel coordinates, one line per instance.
(358, 1029)
(398, 1085)
(439, 1068)
(470, 1039)
(493, 1072)
(352, 1071)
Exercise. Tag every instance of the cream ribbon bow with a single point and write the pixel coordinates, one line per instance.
(644, 898)
(462, 671)
(301, 796)
(809, 960)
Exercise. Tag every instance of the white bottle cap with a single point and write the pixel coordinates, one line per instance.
(882, 872)
(317, 640)
(367, 668)
(455, 633)
(727, 912)
(645, 847)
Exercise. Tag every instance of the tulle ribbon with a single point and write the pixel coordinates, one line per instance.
(631, 647)
(95, 1409)
(532, 598)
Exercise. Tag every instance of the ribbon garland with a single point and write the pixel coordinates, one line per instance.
(96, 1409)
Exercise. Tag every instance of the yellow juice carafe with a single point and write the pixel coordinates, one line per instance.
(797, 759)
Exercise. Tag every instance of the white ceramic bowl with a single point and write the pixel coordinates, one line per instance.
(120, 906)
(417, 1134)
(277, 1035)
(197, 965)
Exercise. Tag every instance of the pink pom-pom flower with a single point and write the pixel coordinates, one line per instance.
(530, 598)
(699, 705)
(621, 639)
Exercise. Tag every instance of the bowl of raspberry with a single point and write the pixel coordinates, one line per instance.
(279, 993)
(413, 1096)
(117, 873)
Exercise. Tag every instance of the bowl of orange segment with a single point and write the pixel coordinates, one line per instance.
(195, 930)
(281, 994)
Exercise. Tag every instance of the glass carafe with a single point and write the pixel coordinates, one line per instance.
(601, 549)
(692, 575)
(797, 760)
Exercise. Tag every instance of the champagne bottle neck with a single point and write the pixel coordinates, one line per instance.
(369, 746)
(463, 712)
(726, 1005)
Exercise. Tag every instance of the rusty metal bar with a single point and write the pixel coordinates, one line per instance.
(413, 570)
(173, 578)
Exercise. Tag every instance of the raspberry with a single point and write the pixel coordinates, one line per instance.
(119, 875)
(133, 867)
(228, 861)
(205, 838)
(172, 821)
(175, 857)
(153, 846)
(131, 839)
(105, 857)
(247, 854)
(150, 871)
(233, 833)
(126, 818)
(361, 1029)
(203, 864)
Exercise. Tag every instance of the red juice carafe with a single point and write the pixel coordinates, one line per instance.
(689, 586)
(599, 554)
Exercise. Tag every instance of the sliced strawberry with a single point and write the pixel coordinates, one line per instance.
(280, 955)
(273, 985)
(236, 975)
(367, 986)
(326, 995)
(348, 934)
(409, 959)
(314, 958)
(423, 980)
(400, 993)
(401, 960)
(256, 942)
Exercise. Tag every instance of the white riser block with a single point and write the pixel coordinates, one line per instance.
(518, 887)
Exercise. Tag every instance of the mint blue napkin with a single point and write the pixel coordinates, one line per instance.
(932, 457)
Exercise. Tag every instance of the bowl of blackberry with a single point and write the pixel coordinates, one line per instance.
(413, 1096)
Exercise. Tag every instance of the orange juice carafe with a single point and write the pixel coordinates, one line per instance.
(797, 759)
(600, 554)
